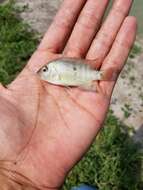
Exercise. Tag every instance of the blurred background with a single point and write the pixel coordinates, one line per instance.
(137, 11)
(115, 159)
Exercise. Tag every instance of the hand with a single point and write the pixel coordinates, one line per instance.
(46, 129)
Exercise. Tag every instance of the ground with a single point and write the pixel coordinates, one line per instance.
(39, 13)
(127, 100)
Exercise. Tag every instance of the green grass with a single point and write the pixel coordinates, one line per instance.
(113, 162)
(136, 50)
(127, 110)
(137, 11)
(16, 43)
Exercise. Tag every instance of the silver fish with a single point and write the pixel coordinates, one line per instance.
(73, 72)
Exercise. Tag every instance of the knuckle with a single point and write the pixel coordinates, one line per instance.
(125, 44)
(107, 37)
(119, 11)
(105, 40)
(88, 20)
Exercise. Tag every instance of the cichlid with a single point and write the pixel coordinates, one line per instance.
(73, 72)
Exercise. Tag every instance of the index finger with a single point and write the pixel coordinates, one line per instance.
(61, 27)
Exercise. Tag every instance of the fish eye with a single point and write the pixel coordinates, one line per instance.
(45, 69)
(74, 68)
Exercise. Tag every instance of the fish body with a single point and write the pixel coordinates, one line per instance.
(70, 72)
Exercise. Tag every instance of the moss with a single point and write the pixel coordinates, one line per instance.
(17, 42)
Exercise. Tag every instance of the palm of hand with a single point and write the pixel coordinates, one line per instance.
(64, 120)
(59, 123)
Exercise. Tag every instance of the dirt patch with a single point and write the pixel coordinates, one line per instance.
(127, 99)
(39, 13)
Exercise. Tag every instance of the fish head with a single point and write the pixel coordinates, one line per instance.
(44, 72)
(48, 72)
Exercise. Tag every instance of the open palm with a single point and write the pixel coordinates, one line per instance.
(49, 127)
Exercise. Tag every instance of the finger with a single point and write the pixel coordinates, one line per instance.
(59, 31)
(120, 50)
(86, 28)
(107, 34)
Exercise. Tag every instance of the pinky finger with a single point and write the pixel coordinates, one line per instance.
(119, 51)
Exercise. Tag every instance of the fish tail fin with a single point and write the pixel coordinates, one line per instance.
(109, 74)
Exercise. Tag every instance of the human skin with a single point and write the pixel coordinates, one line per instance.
(45, 129)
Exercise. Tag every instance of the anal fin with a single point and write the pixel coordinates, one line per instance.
(90, 86)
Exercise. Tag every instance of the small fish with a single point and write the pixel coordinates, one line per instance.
(73, 72)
